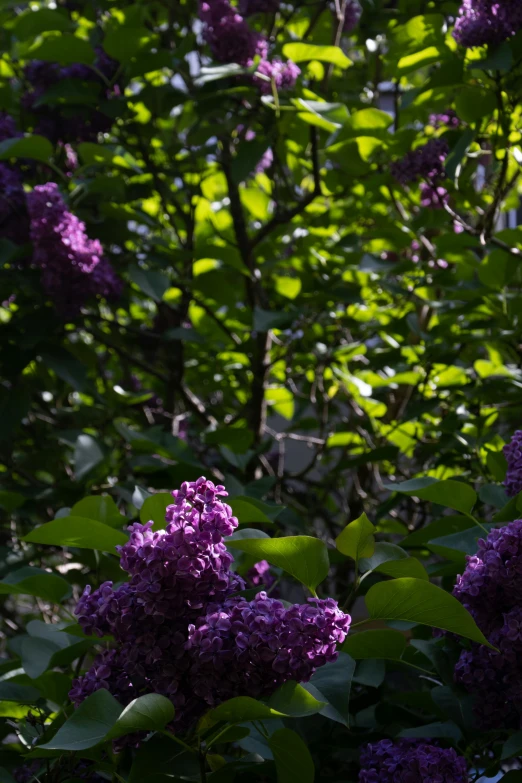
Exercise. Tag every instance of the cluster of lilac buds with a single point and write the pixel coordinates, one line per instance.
(482, 22)
(513, 455)
(73, 265)
(232, 40)
(229, 36)
(411, 761)
(446, 119)
(433, 196)
(352, 14)
(282, 75)
(426, 162)
(73, 124)
(182, 630)
(491, 590)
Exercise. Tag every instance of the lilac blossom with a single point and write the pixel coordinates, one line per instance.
(229, 36)
(283, 75)
(446, 119)
(513, 455)
(180, 619)
(433, 196)
(14, 223)
(482, 22)
(411, 761)
(250, 648)
(352, 14)
(491, 590)
(426, 162)
(73, 265)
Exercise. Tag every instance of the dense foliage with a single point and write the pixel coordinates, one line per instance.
(260, 388)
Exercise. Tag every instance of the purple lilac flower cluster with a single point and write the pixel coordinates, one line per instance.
(283, 75)
(433, 196)
(75, 123)
(482, 22)
(14, 223)
(446, 119)
(73, 265)
(352, 14)
(513, 455)
(426, 162)
(178, 627)
(411, 761)
(491, 590)
(260, 575)
(250, 648)
(231, 40)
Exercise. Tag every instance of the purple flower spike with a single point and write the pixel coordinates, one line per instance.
(411, 761)
(513, 455)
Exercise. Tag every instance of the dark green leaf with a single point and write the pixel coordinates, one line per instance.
(33, 147)
(387, 644)
(292, 757)
(421, 602)
(77, 532)
(303, 557)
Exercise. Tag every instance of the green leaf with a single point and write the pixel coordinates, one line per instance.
(239, 710)
(473, 102)
(458, 152)
(453, 494)
(303, 557)
(334, 681)
(264, 320)
(123, 43)
(99, 507)
(512, 746)
(36, 655)
(249, 510)
(34, 147)
(150, 712)
(391, 560)
(88, 725)
(292, 757)
(387, 644)
(153, 284)
(154, 508)
(66, 367)
(10, 501)
(302, 52)
(357, 539)
(31, 23)
(421, 602)
(499, 58)
(77, 532)
(64, 49)
(412, 62)
(23, 694)
(87, 455)
(293, 700)
(37, 582)
(465, 541)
